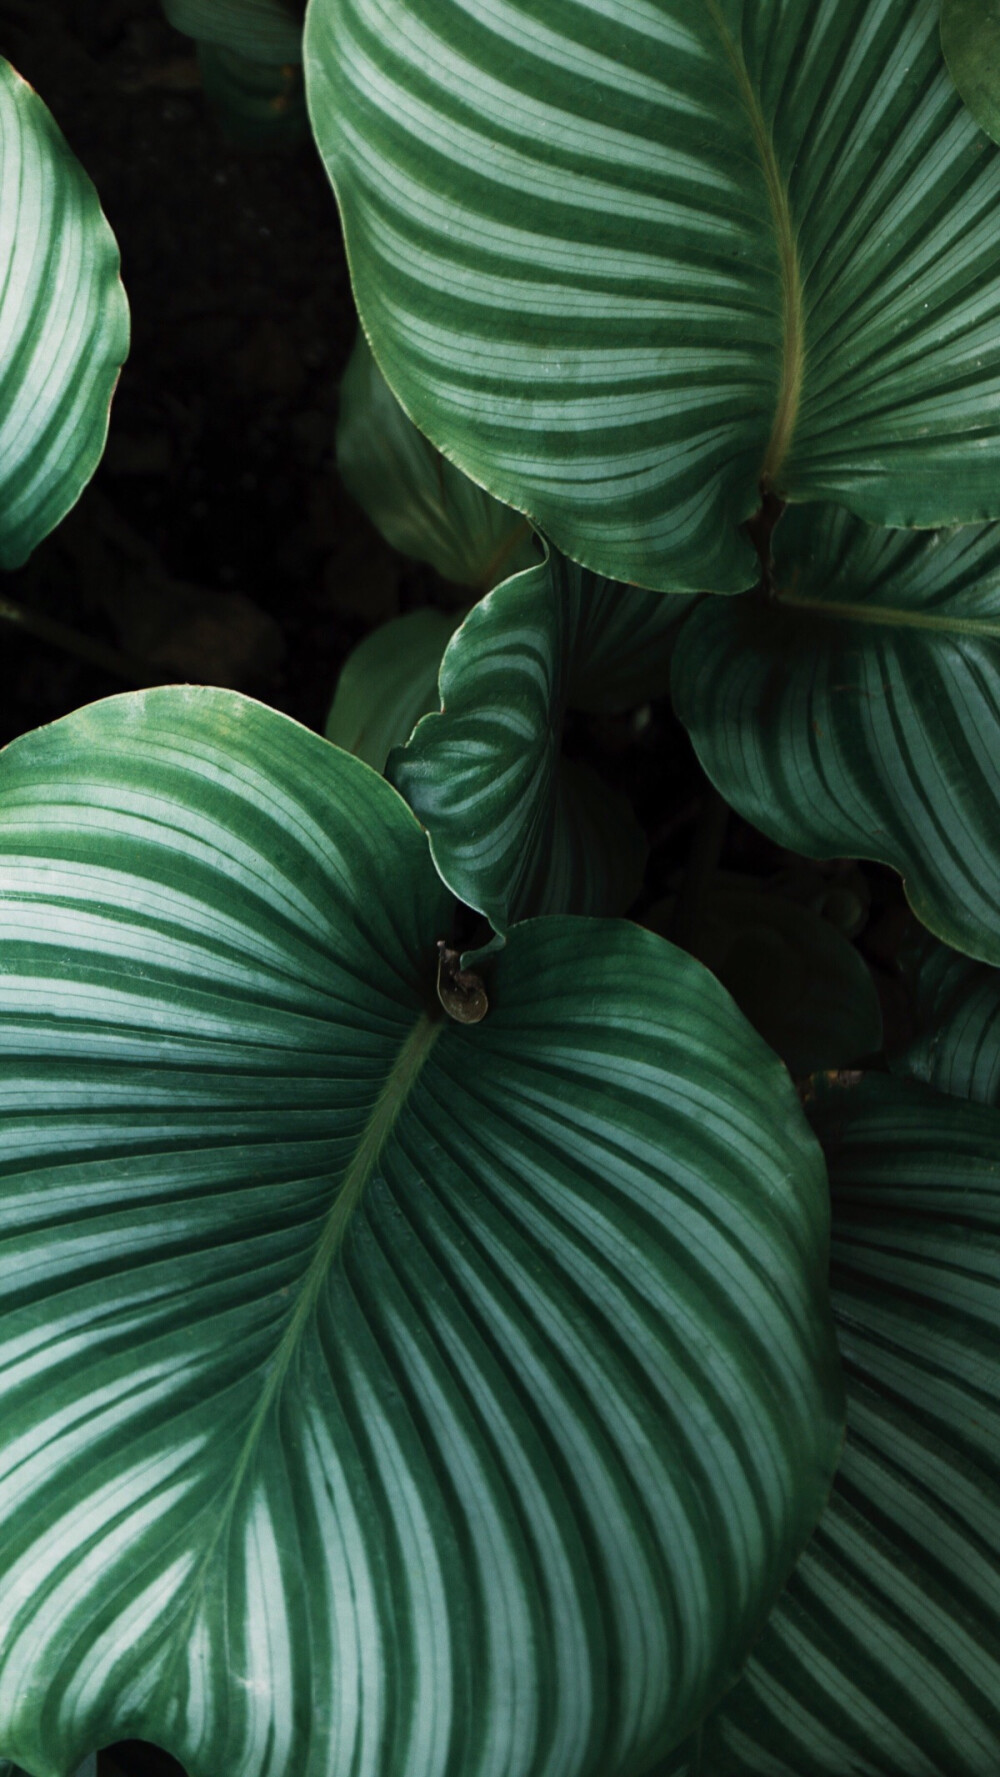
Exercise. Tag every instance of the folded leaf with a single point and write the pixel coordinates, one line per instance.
(386, 685)
(856, 712)
(63, 323)
(883, 1656)
(514, 828)
(626, 263)
(420, 502)
(380, 1393)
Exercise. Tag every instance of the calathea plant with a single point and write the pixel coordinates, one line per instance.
(423, 1352)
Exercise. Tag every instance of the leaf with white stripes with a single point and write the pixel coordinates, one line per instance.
(956, 1003)
(883, 1656)
(855, 711)
(516, 829)
(63, 323)
(263, 30)
(420, 502)
(380, 1393)
(627, 261)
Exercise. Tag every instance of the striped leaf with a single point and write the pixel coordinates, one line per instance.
(883, 1657)
(63, 323)
(856, 713)
(625, 261)
(380, 1393)
(263, 30)
(956, 1003)
(420, 502)
(515, 829)
(970, 38)
(386, 685)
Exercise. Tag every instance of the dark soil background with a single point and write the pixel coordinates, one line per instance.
(215, 543)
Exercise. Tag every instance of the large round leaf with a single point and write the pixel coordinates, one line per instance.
(420, 502)
(856, 712)
(63, 323)
(515, 829)
(380, 1394)
(883, 1657)
(627, 262)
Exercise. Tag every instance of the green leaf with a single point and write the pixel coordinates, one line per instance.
(387, 683)
(883, 1656)
(627, 262)
(258, 104)
(514, 828)
(957, 1007)
(379, 1393)
(264, 30)
(420, 502)
(802, 985)
(856, 712)
(970, 38)
(87, 1769)
(63, 323)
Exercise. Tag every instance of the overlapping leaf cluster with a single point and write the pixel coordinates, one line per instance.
(433, 1365)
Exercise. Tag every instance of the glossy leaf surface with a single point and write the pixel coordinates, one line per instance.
(957, 1008)
(387, 683)
(513, 828)
(857, 713)
(802, 985)
(265, 30)
(379, 1394)
(420, 502)
(970, 38)
(624, 262)
(63, 322)
(883, 1655)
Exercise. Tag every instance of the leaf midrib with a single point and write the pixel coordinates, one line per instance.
(398, 1084)
(893, 617)
(793, 351)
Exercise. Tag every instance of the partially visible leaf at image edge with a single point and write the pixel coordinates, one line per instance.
(64, 325)
(855, 710)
